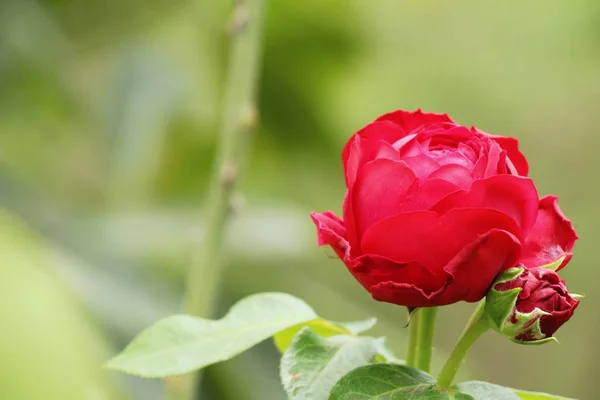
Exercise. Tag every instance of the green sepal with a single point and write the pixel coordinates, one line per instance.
(554, 265)
(499, 305)
(503, 316)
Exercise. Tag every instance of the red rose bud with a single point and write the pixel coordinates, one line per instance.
(529, 305)
(435, 210)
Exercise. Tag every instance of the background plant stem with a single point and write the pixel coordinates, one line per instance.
(476, 327)
(238, 119)
(413, 338)
(425, 341)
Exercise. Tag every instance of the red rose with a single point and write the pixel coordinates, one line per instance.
(541, 306)
(435, 210)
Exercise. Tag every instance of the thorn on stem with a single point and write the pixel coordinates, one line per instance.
(239, 17)
(248, 118)
(228, 174)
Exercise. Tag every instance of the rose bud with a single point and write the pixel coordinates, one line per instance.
(434, 211)
(529, 305)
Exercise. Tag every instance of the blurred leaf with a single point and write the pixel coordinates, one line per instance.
(311, 366)
(484, 391)
(49, 350)
(182, 344)
(390, 381)
(524, 395)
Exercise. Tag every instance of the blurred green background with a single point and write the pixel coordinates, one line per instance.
(109, 115)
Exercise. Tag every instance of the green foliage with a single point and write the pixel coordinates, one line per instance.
(182, 344)
(390, 382)
(324, 328)
(484, 390)
(524, 395)
(312, 365)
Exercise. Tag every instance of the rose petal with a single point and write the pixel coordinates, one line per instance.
(350, 224)
(455, 157)
(493, 155)
(421, 165)
(549, 324)
(460, 176)
(371, 270)
(404, 294)
(551, 237)
(430, 239)
(512, 195)
(474, 268)
(381, 186)
(412, 120)
(468, 152)
(331, 231)
(365, 145)
(511, 145)
(429, 193)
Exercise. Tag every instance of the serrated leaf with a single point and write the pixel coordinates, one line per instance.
(485, 391)
(312, 365)
(524, 395)
(182, 344)
(391, 382)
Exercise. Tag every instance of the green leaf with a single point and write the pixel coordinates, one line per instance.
(385, 353)
(182, 344)
(324, 328)
(524, 395)
(391, 382)
(320, 326)
(358, 327)
(485, 391)
(312, 365)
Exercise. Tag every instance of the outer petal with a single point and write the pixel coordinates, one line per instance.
(430, 239)
(512, 195)
(550, 323)
(405, 294)
(378, 274)
(474, 268)
(467, 277)
(412, 120)
(551, 237)
(363, 146)
(380, 189)
(331, 231)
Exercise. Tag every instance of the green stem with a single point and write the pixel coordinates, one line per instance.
(238, 120)
(476, 327)
(425, 341)
(413, 338)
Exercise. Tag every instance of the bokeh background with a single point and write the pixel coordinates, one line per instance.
(109, 115)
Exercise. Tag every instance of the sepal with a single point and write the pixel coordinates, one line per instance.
(502, 313)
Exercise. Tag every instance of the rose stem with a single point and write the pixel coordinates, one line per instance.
(476, 327)
(413, 338)
(425, 341)
(238, 120)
